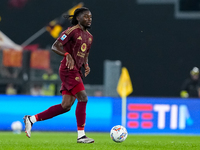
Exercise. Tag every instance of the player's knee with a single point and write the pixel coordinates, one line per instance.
(66, 107)
(83, 98)
(67, 102)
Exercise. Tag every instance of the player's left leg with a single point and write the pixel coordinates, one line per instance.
(81, 115)
(65, 106)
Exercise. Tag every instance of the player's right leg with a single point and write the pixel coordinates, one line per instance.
(81, 117)
(65, 106)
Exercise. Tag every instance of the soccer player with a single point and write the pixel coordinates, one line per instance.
(74, 45)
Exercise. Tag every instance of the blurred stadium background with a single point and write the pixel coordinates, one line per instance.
(156, 40)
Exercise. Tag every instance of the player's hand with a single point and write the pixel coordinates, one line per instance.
(69, 62)
(87, 70)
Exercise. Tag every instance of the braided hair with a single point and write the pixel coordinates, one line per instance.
(77, 12)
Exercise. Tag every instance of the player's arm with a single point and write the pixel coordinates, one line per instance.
(57, 47)
(86, 65)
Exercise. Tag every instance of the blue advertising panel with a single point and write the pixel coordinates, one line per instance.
(13, 108)
(163, 115)
(143, 115)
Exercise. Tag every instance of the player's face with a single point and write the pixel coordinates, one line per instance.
(85, 19)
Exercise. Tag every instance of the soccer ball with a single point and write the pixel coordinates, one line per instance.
(16, 126)
(118, 133)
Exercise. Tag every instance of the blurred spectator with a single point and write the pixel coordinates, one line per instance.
(49, 88)
(10, 90)
(98, 93)
(191, 86)
(36, 90)
(10, 72)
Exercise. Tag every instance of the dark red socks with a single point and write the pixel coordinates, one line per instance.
(50, 112)
(81, 115)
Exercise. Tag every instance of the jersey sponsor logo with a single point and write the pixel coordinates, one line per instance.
(81, 54)
(63, 37)
(79, 38)
(83, 47)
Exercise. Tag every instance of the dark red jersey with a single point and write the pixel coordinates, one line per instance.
(77, 43)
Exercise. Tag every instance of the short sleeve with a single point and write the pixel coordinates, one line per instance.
(64, 37)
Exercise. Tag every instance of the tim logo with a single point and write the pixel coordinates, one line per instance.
(142, 115)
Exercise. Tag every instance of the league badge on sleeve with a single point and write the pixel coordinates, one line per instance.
(63, 37)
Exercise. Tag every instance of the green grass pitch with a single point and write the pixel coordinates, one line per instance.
(67, 141)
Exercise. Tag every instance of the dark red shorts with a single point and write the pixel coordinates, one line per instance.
(71, 81)
(76, 89)
(69, 78)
